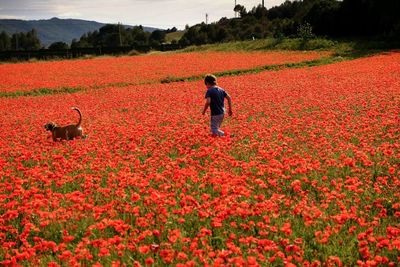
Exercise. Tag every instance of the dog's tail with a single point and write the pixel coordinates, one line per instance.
(80, 116)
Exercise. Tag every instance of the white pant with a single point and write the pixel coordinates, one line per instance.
(216, 122)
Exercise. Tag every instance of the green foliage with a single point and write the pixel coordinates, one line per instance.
(305, 32)
(20, 41)
(157, 37)
(117, 35)
(58, 46)
(41, 92)
(110, 35)
(370, 17)
(5, 41)
(241, 10)
(304, 19)
(323, 17)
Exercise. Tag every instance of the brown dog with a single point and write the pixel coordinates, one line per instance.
(68, 132)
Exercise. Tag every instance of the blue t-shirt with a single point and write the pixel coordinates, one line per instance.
(217, 96)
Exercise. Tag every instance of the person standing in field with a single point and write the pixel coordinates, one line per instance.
(215, 97)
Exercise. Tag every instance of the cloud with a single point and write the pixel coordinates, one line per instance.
(158, 13)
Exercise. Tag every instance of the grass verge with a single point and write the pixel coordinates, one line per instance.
(342, 47)
(42, 91)
(310, 63)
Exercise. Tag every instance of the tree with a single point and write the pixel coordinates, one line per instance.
(173, 29)
(25, 41)
(32, 41)
(117, 35)
(323, 17)
(82, 43)
(259, 12)
(5, 41)
(58, 46)
(287, 10)
(110, 35)
(241, 9)
(140, 37)
(157, 36)
(369, 17)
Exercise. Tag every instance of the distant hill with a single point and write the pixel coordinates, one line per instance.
(55, 29)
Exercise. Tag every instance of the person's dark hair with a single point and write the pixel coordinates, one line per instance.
(210, 79)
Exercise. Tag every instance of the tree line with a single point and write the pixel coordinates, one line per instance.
(19, 41)
(326, 18)
(110, 35)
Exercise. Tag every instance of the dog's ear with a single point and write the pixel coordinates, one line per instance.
(49, 126)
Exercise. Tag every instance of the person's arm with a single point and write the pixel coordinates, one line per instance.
(206, 105)
(229, 104)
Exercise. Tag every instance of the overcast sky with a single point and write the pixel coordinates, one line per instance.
(156, 13)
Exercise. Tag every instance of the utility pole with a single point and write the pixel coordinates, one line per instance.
(263, 4)
(119, 32)
(234, 9)
(206, 18)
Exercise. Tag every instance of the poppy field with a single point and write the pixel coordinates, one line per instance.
(308, 176)
(125, 70)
